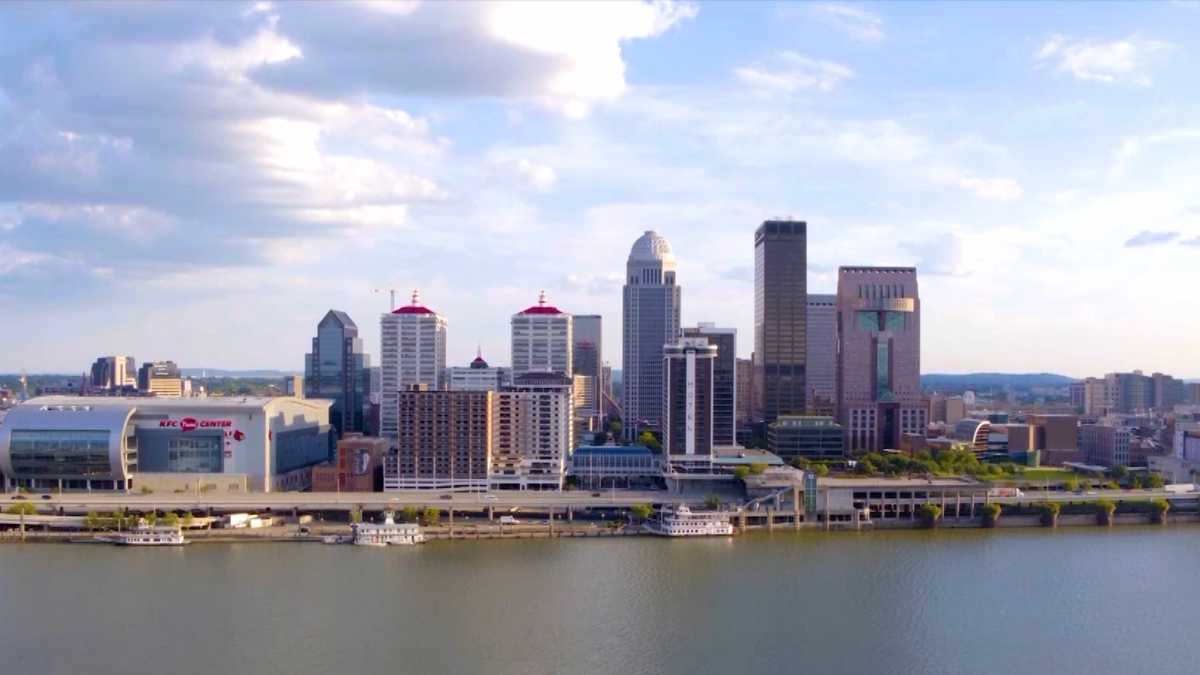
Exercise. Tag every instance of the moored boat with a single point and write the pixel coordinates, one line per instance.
(683, 522)
(147, 535)
(389, 532)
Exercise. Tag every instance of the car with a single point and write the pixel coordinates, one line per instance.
(489, 498)
(18, 497)
(446, 497)
(509, 520)
(595, 494)
(46, 497)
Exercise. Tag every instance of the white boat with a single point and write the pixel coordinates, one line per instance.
(683, 522)
(389, 532)
(147, 535)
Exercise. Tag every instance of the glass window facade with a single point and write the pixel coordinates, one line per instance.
(194, 455)
(65, 453)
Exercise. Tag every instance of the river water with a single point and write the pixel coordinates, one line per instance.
(1085, 600)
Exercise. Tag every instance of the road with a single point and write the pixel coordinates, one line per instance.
(345, 501)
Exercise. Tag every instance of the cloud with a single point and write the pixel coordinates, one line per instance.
(1194, 241)
(1150, 238)
(856, 22)
(790, 72)
(995, 189)
(939, 254)
(538, 176)
(1116, 61)
(566, 56)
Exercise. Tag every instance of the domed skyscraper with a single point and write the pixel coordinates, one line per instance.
(651, 313)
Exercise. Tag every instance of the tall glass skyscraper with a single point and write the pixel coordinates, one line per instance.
(780, 317)
(337, 369)
(651, 319)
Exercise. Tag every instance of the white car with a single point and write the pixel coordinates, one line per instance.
(509, 520)
(489, 498)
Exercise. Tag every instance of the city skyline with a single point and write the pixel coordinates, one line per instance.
(276, 177)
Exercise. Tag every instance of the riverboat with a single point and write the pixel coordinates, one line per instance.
(389, 532)
(147, 535)
(683, 522)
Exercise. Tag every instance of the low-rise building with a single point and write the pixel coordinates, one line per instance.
(975, 433)
(596, 467)
(357, 466)
(800, 436)
(1105, 445)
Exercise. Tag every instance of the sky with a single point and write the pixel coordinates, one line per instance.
(202, 182)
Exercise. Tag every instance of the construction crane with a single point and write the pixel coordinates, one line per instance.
(392, 295)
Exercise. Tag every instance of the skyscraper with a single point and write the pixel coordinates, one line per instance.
(338, 369)
(724, 379)
(412, 352)
(541, 340)
(651, 302)
(821, 339)
(879, 356)
(588, 361)
(160, 378)
(114, 372)
(780, 317)
(532, 432)
(687, 401)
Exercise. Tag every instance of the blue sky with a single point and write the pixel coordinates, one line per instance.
(201, 182)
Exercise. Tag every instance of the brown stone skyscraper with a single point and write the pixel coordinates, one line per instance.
(780, 317)
(879, 356)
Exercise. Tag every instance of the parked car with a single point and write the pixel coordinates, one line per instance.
(18, 497)
(490, 498)
(446, 497)
(45, 496)
(509, 520)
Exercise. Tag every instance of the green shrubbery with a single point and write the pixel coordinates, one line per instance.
(954, 462)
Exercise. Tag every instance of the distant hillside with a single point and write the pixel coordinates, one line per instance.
(237, 374)
(946, 382)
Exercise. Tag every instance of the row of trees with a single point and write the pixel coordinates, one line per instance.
(931, 514)
(953, 462)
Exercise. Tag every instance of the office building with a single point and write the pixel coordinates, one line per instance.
(1105, 445)
(160, 378)
(1056, 437)
(1193, 389)
(412, 353)
(588, 360)
(821, 361)
(293, 385)
(1078, 394)
(1095, 397)
(1129, 393)
(542, 340)
(689, 371)
(806, 437)
(532, 433)
(586, 407)
(478, 376)
(88, 443)
(114, 372)
(1168, 392)
(879, 357)
(724, 379)
(357, 466)
(744, 389)
(337, 369)
(443, 443)
(599, 467)
(780, 317)
(651, 302)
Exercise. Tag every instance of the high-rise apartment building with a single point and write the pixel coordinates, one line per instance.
(532, 432)
(724, 380)
(444, 440)
(689, 367)
(821, 361)
(651, 302)
(1168, 391)
(541, 340)
(412, 352)
(160, 378)
(339, 370)
(879, 356)
(1095, 397)
(780, 317)
(114, 372)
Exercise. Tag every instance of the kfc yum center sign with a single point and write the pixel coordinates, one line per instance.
(191, 424)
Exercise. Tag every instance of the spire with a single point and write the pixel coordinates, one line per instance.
(416, 297)
(542, 298)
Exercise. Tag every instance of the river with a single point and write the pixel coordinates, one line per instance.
(1079, 600)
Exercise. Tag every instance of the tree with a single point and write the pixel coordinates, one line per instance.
(1050, 511)
(1158, 510)
(648, 439)
(1105, 508)
(712, 502)
(1153, 481)
(409, 514)
(356, 515)
(1071, 484)
(991, 514)
(641, 512)
(171, 519)
(151, 518)
(92, 521)
(931, 515)
(820, 469)
(431, 516)
(23, 509)
(758, 469)
(188, 519)
(741, 472)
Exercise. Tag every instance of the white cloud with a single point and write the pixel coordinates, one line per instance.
(1116, 61)
(1131, 148)
(789, 72)
(131, 222)
(856, 22)
(995, 189)
(538, 176)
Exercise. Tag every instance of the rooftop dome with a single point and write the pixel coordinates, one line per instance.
(651, 246)
(542, 307)
(415, 307)
(479, 363)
